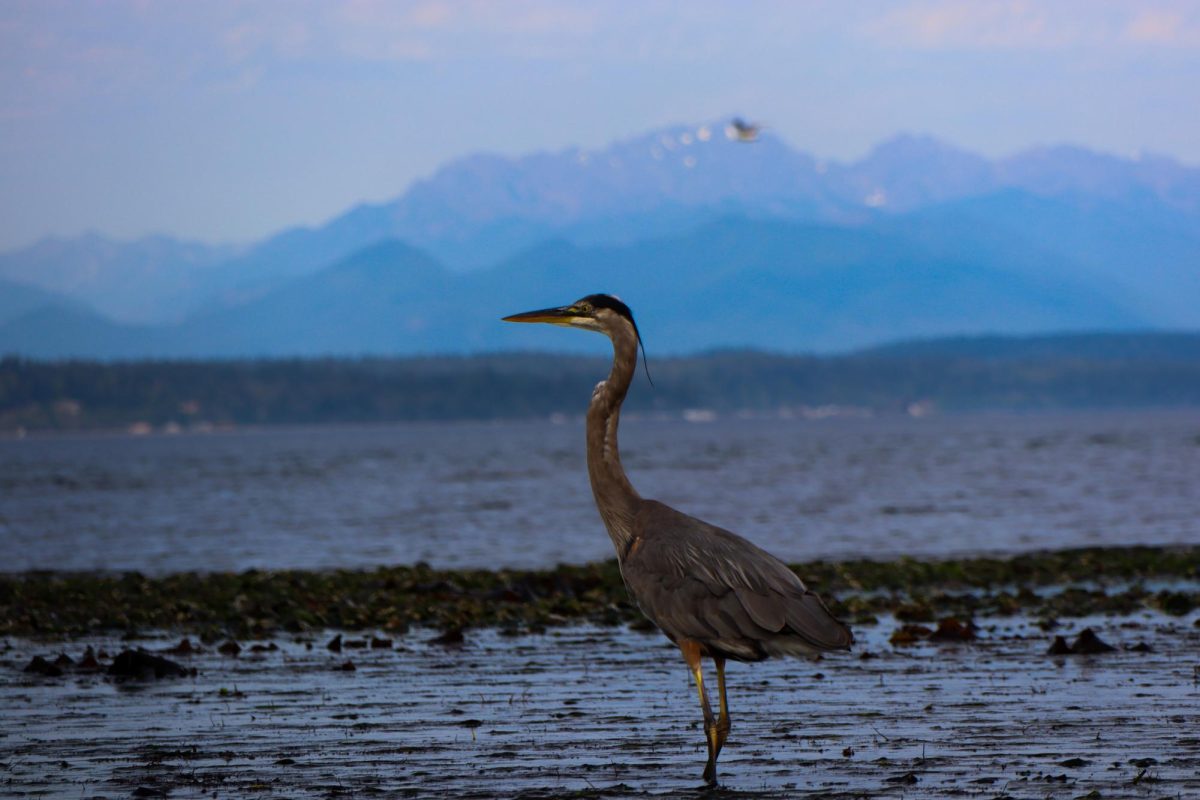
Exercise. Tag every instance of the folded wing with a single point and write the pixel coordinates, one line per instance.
(700, 582)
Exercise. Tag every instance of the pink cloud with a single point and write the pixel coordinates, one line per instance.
(1022, 24)
(1166, 27)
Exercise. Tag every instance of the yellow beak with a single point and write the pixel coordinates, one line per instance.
(555, 316)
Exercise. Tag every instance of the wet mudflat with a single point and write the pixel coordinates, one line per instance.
(610, 712)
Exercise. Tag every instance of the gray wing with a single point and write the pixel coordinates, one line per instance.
(697, 581)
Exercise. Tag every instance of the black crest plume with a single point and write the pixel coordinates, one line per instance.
(615, 304)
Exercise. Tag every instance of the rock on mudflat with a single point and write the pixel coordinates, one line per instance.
(40, 666)
(1059, 647)
(1087, 643)
(141, 665)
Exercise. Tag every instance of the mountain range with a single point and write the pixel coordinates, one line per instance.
(713, 242)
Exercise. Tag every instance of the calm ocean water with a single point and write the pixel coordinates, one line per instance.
(491, 495)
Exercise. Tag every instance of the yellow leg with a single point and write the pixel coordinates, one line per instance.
(723, 723)
(691, 655)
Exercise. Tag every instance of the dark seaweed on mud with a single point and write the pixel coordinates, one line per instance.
(261, 603)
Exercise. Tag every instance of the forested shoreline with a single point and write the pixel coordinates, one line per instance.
(1101, 371)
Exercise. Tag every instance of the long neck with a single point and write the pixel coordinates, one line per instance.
(615, 496)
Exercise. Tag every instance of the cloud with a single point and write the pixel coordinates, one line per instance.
(449, 29)
(282, 38)
(57, 54)
(1166, 27)
(567, 31)
(976, 25)
(54, 53)
(1023, 24)
(465, 16)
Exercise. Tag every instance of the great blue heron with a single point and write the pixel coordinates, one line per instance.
(710, 591)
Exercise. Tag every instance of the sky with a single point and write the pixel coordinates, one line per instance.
(226, 121)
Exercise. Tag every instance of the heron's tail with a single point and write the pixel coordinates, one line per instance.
(809, 619)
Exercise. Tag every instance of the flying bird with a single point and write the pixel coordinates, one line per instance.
(713, 593)
(741, 131)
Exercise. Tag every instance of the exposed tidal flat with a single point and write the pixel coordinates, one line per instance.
(969, 677)
(382, 611)
(607, 711)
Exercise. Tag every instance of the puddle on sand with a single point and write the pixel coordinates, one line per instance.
(607, 712)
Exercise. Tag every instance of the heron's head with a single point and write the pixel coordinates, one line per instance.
(596, 312)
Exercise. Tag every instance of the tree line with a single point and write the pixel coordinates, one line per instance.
(96, 395)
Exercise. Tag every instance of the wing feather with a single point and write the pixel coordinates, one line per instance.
(697, 581)
(809, 619)
(764, 609)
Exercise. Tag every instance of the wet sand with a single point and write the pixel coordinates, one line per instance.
(610, 712)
